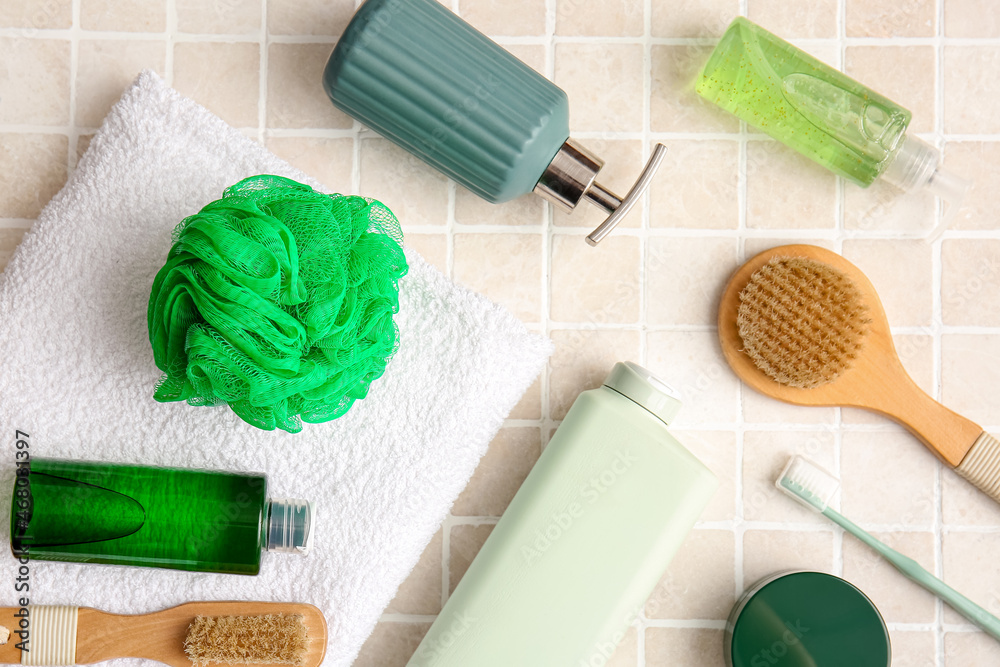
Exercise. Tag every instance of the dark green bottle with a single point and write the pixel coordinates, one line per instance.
(184, 519)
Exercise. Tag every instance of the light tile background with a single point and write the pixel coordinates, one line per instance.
(649, 292)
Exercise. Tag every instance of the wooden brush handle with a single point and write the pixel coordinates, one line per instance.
(47, 635)
(946, 433)
(68, 635)
(156, 636)
(959, 442)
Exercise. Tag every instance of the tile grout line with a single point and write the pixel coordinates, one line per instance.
(355, 134)
(452, 192)
(548, 231)
(681, 233)
(936, 323)
(646, 150)
(262, 133)
(449, 522)
(838, 211)
(697, 624)
(356, 159)
(514, 40)
(547, 235)
(740, 528)
(73, 135)
(322, 132)
(816, 526)
(169, 41)
(641, 622)
(17, 223)
(449, 232)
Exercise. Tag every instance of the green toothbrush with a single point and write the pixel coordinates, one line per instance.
(813, 486)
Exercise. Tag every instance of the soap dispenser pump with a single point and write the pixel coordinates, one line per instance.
(425, 79)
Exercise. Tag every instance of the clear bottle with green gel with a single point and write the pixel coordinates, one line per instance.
(820, 112)
(184, 519)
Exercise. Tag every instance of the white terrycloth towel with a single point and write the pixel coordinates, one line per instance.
(77, 373)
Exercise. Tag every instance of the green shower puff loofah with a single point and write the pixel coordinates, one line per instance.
(277, 300)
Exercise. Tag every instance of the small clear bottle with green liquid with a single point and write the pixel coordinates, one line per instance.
(178, 518)
(821, 112)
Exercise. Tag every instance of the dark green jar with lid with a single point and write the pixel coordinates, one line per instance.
(806, 619)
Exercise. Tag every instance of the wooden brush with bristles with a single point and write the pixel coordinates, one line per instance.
(271, 639)
(196, 634)
(802, 324)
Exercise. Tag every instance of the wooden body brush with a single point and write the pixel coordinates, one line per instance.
(802, 324)
(192, 634)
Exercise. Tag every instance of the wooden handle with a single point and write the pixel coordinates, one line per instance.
(10, 618)
(160, 635)
(946, 433)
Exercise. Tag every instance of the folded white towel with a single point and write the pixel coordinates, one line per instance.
(77, 373)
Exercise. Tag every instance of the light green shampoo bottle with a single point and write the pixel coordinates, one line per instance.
(585, 540)
(820, 112)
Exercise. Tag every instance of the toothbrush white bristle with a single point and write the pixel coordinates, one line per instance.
(804, 480)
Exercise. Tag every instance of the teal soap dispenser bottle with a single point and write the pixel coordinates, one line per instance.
(425, 79)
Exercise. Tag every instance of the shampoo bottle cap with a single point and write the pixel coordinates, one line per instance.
(638, 384)
(289, 525)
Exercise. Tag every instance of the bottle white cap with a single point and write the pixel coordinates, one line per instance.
(289, 525)
(638, 384)
(917, 165)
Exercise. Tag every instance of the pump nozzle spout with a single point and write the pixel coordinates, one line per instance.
(570, 179)
(633, 196)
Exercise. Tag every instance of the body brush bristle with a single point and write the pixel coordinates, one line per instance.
(247, 640)
(801, 321)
